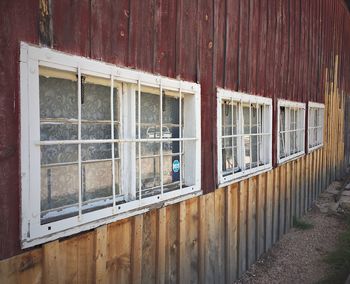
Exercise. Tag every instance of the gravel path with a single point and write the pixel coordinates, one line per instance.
(298, 256)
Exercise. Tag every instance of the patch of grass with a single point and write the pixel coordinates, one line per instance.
(339, 259)
(300, 224)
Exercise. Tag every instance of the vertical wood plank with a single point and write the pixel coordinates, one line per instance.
(149, 238)
(269, 201)
(220, 217)
(297, 188)
(51, 261)
(276, 204)
(101, 254)
(242, 227)
(183, 264)
(251, 221)
(231, 231)
(136, 263)
(172, 244)
(211, 256)
(288, 196)
(86, 260)
(282, 201)
(119, 252)
(202, 239)
(161, 245)
(261, 218)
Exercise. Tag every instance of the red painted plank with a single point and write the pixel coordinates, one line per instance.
(253, 46)
(219, 42)
(292, 45)
(232, 41)
(262, 49)
(110, 30)
(285, 37)
(243, 46)
(18, 22)
(186, 44)
(165, 51)
(71, 26)
(208, 101)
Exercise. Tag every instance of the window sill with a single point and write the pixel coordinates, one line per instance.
(291, 158)
(310, 150)
(262, 170)
(88, 225)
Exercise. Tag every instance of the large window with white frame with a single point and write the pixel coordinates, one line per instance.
(99, 142)
(315, 125)
(244, 134)
(291, 130)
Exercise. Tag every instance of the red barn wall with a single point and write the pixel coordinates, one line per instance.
(278, 49)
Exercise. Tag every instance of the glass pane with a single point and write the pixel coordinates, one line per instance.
(54, 154)
(246, 119)
(293, 119)
(59, 187)
(96, 151)
(254, 117)
(189, 171)
(293, 142)
(58, 97)
(96, 180)
(227, 155)
(59, 181)
(171, 117)
(96, 108)
(150, 169)
(58, 106)
(90, 131)
(282, 119)
(226, 116)
(247, 154)
(235, 155)
(254, 158)
(171, 173)
(117, 176)
(283, 145)
(58, 131)
(150, 116)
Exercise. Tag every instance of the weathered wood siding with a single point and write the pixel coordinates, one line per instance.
(278, 48)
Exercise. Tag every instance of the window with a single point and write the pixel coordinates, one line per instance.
(100, 143)
(291, 130)
(315, 126)
(244, 134)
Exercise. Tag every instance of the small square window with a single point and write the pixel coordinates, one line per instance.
(291, 130)
(244, 135)
(315, 125)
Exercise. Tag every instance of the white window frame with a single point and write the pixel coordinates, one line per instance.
(243, 98)
(32, 231)
(313, 105)
(290, 104)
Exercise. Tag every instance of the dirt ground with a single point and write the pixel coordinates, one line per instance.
(299, 256)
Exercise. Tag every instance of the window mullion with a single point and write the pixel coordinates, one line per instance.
(250, 136)
(258, 131)
(232, 139)
(161, 137)
(242, 152)
(79, 145)
(139, 133)
(180, 133)
(112, 134)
